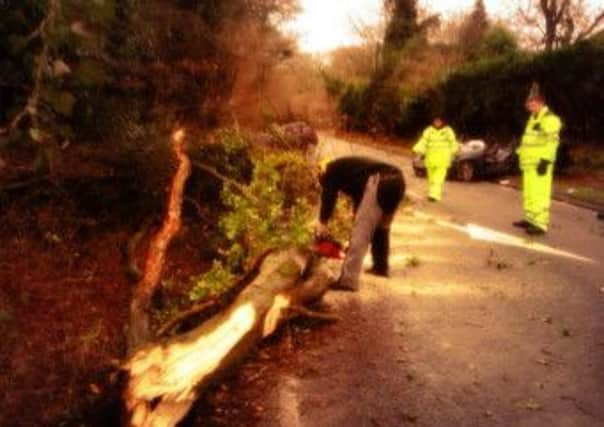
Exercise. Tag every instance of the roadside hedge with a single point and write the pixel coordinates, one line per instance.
(485, 98)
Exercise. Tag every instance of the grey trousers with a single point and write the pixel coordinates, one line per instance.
(368, 216)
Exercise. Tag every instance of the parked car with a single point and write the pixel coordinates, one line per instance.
(293, 135)
(475, 159)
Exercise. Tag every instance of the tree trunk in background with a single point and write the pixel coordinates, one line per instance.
(552, 20)
(402, 23)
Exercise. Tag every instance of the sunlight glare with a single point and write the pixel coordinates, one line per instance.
(477, 232)
(481, 233)
(325, 25)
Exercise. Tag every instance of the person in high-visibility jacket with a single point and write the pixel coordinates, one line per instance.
(438, 144)
(537, 155)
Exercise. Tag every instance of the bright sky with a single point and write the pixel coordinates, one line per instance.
(325, 24)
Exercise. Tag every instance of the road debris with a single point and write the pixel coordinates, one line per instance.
(530, 404)
(494, 260)
(543, 362)
(412, 261)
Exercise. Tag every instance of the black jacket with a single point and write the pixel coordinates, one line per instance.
(350, 174)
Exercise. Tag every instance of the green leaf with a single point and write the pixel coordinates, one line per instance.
(62, 102)
(90, 74)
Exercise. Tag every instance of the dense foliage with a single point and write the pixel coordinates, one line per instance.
(487, 97)
(122, 72)
(479, 82)
(272, 211)
(92, 90)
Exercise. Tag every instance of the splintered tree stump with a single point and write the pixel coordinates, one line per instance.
(166, 378)
(140, 307)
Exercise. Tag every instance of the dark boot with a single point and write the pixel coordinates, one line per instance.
(377, 272)
(521, 224)
(533, 230)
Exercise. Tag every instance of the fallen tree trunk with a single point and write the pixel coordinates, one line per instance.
(165, 379)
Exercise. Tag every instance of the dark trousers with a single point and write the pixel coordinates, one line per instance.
(371, 224)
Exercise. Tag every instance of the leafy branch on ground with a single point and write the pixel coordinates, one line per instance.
(273, 211)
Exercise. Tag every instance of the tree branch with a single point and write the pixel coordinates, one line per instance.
(198, 208)
(528, 19)
(37, 32)
(599, 19)
(181, 317)
(303, 311)
(560, 13)
(225, 179)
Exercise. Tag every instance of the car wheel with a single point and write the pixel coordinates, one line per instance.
(465, 171)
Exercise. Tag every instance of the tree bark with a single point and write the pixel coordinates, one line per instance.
(139, 330)
(165, 379)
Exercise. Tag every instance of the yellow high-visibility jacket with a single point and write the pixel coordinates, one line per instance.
(541, 138)
(438, 145)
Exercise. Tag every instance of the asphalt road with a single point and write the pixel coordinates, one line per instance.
(478, 325)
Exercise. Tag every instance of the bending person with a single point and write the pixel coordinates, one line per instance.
(376, 189)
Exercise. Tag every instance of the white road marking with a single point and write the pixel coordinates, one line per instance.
(478, 232)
